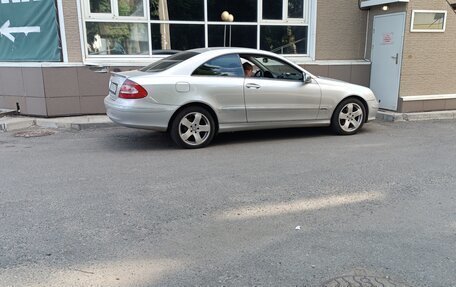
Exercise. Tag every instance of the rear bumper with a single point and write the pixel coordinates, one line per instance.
(139, 114)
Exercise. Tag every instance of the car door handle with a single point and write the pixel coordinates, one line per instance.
(252, 86)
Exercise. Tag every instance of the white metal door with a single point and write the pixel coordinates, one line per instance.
(387, 43)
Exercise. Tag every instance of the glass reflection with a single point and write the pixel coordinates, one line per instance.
(191, 10)
(100, 6)
(117, 38)
(228, 65)
(272, 9)
(236, 35)
(131, 8)
(284, 39)
(242, 10)
(428, 21)
(176, 37)
(295, 9)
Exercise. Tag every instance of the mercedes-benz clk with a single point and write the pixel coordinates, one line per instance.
(195, 94)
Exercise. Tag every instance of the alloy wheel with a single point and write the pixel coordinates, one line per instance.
(351, 117)
(194, 128)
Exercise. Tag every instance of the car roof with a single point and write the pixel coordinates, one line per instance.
(187, 67)
(205, 54)
(226, 50)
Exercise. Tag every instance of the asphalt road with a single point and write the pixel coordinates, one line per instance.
(294, 207)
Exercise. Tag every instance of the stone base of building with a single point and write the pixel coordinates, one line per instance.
(80, 90)
(426, 105)
(53, 91)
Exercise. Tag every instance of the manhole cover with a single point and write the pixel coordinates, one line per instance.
(34, 133)
(362, 281)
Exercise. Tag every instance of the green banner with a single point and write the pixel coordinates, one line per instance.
(28, 31)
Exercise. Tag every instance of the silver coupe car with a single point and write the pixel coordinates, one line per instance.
(195, 94)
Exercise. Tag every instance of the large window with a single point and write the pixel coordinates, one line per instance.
(142, 28)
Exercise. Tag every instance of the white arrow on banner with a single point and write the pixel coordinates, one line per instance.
(16, 1)
(6, 30)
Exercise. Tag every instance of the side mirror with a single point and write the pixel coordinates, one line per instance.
(306, 78)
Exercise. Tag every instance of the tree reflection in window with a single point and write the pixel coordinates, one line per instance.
(100, 6)
(284, 39)
(116, 38)
(131, 8)
(295, 9)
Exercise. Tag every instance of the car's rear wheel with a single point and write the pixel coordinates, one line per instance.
(348, 117)
(193, 127)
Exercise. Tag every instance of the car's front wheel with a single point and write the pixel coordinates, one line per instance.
(349, 117)
(193, 127)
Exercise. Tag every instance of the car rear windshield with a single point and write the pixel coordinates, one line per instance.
(168, 62)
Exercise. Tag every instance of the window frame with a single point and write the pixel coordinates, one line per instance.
(111, 56)
(285, 18)
(308, 20)
(114, 15)
(90, 15)
(285, 25)
(445, 12)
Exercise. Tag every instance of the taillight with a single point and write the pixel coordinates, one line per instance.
(132, 90)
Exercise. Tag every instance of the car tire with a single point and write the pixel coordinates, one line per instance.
(193, 127)
(348, 117)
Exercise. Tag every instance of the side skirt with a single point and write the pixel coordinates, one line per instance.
(231, 127)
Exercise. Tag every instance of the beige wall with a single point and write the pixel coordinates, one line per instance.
(70, 13)
(429, 60)
(341, 29)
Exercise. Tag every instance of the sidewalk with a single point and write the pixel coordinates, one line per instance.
(389, 116)
(11, 122)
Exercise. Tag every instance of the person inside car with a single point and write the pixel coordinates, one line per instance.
(248, 69)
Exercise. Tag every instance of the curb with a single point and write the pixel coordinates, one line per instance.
(77, 123)
(85, 126)
(389, 116)
(4, 112)
(13, 124)
(8, 124)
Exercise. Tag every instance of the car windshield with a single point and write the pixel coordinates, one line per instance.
(168, 62)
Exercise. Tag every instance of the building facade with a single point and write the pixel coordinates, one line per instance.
(404, 50)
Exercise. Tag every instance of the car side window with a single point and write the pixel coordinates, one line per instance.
(274, 68)
(227, 66)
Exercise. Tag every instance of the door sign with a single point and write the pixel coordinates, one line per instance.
(388, 38)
